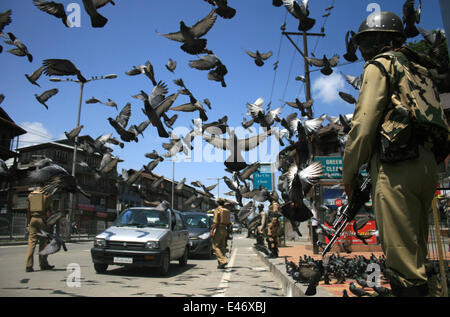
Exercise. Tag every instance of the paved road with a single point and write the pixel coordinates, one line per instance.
(74, 275)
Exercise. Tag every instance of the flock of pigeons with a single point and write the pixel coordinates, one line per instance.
(336, 269)
(295, 161)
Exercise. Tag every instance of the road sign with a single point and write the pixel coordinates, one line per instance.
(332, 166)
(338, 202)
(263, 176)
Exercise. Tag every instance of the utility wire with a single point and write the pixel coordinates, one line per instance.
(278, 58)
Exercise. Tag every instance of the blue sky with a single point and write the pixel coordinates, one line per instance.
(129, 39)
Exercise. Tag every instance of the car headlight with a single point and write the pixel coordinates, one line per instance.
(204, 235)
(98, 242)
(152, 245)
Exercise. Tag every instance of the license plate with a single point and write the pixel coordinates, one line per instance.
(123, 260)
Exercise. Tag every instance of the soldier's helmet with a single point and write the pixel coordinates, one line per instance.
(381, 22)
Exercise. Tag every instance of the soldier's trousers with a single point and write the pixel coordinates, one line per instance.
(36, 225)
(220, 244)
(402, 194)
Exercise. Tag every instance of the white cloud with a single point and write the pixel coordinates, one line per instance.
(326, 88)
(36, 133)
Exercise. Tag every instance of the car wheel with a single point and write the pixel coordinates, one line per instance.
(183, 260)
(164, 268)
(100, 267)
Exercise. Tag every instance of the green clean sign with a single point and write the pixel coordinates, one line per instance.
(332, 166)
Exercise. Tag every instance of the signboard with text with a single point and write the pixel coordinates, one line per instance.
(263, 176)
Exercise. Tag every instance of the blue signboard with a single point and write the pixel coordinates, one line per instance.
(263, 177)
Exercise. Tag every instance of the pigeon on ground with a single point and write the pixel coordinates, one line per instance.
(258, 57)
(300, 11)
(53, 8)
(45, 96)
(35, 76)
(190, 36)
(223, 10)
(62, 67)
(357, 290)
(235, 161)
(21, 49)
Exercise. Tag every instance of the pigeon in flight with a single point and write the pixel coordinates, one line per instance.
(192, 106)
(45, 96)
(146, 69)
(259, 57)
(62, 67)
(235, 161)
(347, 97)
(223, 10)
(351, 47)
(54, 245)
(410, 17)
(301, 181)
(190, 36)
(53, 8)
(119, 124)
(325, 63)
(21, 49)
(205, 188)
(35, 76)
(356, 82)
(73, 133)
(300, 11)
(277, 3)
(55, 178)
(91, 6)
(171, 65)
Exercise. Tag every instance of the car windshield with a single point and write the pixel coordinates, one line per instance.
(196, 221)
(143, 218)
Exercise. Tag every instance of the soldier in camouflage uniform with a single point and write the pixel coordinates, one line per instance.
(398, 128)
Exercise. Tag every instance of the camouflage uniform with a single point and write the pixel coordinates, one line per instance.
(397, 91)
(38, 206)
(220, 229)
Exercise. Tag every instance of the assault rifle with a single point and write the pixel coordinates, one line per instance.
(359, 197)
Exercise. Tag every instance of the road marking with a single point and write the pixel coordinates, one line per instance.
(13, 246)
(223, 285)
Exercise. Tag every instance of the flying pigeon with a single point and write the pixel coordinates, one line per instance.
(45, 96)
(259, 57)
(35, 76)
(62, 67)
(356, 82)
(325, 63)
(121, 121)
(55, 178)
(351, 47)
(146, 69)
(91, 6)
(171, 65)
(410, 17)
(300, 11)
(190, 36)
(54, 245)
(347, 97)
(21, 49)
(223, 10)
(235, 161)
(73, 133)
(53, 8)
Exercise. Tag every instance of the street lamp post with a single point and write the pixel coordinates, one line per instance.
(75, 148)
(173, 176)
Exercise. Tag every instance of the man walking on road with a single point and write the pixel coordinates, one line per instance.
(38, 210)
(219, 232)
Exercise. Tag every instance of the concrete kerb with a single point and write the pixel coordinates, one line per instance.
(290, 287)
